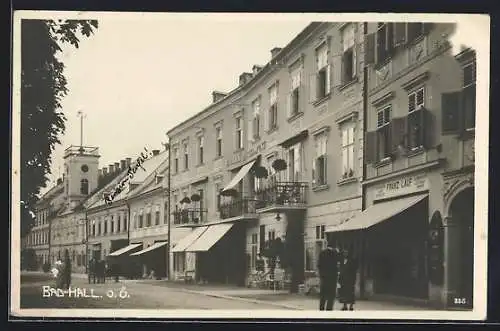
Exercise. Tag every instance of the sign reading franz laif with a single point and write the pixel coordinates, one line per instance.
(402, 186)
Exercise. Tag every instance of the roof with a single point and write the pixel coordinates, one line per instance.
(149, 165)
(265, 69)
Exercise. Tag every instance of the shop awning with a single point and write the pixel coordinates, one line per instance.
(213, 234)
(189, 239)
(150, 248)
(239, 176)
(124, 250)
(377, 213)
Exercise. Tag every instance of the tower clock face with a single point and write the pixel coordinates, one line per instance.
(85, 168)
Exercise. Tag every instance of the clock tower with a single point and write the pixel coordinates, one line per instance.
(81, 164)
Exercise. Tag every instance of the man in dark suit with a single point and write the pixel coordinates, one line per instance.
(328, 274)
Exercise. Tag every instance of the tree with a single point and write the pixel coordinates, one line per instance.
(43, 86)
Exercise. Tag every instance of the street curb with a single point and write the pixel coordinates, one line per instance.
(222, 296)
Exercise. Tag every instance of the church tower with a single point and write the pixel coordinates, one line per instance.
(81, 164)
(81, 170)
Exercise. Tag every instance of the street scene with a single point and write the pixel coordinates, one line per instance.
(211, 164)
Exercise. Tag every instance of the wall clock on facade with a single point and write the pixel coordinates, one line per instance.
(85, 168)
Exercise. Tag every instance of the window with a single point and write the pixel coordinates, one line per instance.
(323, 72)
(294, 162)
(319, 167)
(176, 160)
(273, 108)
(270, 169)
(141, 218)
(99, 228)
(112, 225)
(347, 150)
(415, 130)
(105, 226)
(125, 223)
(239, 133)
(294, 101)
(218, 142)
(157, 215)
(384, 132)
(93, 228)
(136, 223)
(148, 217)
(469, 95)
(84, 186)
(256, 119)
(200, 150)
(348, 54)
(271, 235)
(254, 250)
(262, 237)
(179, 259)
(320, 232)
(186, 156)
(384, 42)
(119, 224)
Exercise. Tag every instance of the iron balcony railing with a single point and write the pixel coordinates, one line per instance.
(286, 194)
(237, 207)
(190, 216)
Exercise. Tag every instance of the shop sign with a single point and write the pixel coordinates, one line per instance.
(402, 186)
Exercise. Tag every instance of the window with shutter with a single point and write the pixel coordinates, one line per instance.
(416, 123)
(384, 42)
(451, 109)
(384, 143)
(369, 46)
(398, 134)
(348, 56)
(399, 34)
(322, 85)
(370, 152)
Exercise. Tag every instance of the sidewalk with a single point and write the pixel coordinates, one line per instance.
(282, 299)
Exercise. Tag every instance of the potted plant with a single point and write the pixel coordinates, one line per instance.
(279, 165)
(195, 197)
(260, 172)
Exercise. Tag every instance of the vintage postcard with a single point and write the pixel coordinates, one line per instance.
(181, 165)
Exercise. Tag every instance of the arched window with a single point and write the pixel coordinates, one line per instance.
(84, 186)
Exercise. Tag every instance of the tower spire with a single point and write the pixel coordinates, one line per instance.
(82, 115)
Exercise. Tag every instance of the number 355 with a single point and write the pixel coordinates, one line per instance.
(460, 301)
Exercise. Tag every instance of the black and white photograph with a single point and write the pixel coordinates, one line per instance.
(236, 165)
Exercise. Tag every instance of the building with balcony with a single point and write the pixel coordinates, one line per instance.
(415, 235)
(277, 157)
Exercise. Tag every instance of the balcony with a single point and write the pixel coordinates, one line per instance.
(239, 208)
(191, 216)
(282, 196)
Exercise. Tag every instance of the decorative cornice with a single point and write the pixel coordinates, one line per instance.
(416, 81)
(383, 99)
(323, 129)
(351, 116)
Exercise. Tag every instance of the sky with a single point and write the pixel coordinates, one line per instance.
(135, 79)
(139, 76)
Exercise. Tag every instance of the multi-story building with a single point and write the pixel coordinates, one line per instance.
(149, 216)
(304, 110)
(40, 236)
(417, 228)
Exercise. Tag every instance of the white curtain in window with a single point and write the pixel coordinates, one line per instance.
(321, 145)
(273, 95)
(296, 75)
(322, 54)
(348, 37)
(256, 107)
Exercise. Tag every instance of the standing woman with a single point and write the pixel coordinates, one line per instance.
(347, 280)
(66, 270)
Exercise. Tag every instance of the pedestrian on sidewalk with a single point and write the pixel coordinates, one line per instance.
(92, 270)
(347, 280)
(66, 275)
(328, 274)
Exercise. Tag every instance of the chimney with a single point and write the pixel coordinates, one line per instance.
(129, 161)
(217, 96)
(256, 69)
(245, 78)
(156, 152)
(123, 164)
(111, 169)
(275, 51)
(59, 181)
(117, 166)
(104, 171)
